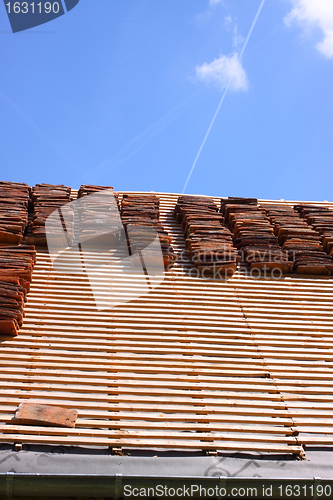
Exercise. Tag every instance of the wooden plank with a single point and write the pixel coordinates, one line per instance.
(172, 381)
(212, 390)
(152, 434)
(195, 407)
(135, 395)
(101, 358)
(68, 349)
(180, 336)
(155, 367)
(91, 426)
(104, 418)
(128, 443)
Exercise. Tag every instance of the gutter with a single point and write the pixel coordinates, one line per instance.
(112, 486)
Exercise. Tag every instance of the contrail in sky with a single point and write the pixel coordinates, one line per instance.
(223, 97)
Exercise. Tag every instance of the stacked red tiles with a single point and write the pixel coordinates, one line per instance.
(16, 260)
(300, 240)
(14, 204)
(47, 198)
(253, 235)
(99, 216)
(321, 220)
(140, 217)
(87, 189)
(208, 241)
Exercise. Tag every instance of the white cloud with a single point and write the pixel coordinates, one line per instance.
(237, 38)
(223, 70)
(228, 21)
(315, 13)
(215, 2)
(230, 25)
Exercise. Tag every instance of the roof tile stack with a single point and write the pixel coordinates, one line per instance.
(99, 216)
(14, 203)
(253, 235)
(208, 241)
(16, 266)
(87, 189)
(46, 198)
(300, 240)
(140, 217)
(321, 220)
(16, 262)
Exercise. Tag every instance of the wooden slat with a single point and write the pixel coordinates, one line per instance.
(131, 442)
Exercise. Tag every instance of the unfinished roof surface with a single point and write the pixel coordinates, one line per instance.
(242, 364)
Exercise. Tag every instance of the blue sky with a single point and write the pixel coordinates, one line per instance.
(122, 93)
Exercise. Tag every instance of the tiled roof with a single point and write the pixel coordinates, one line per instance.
(241, 364)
